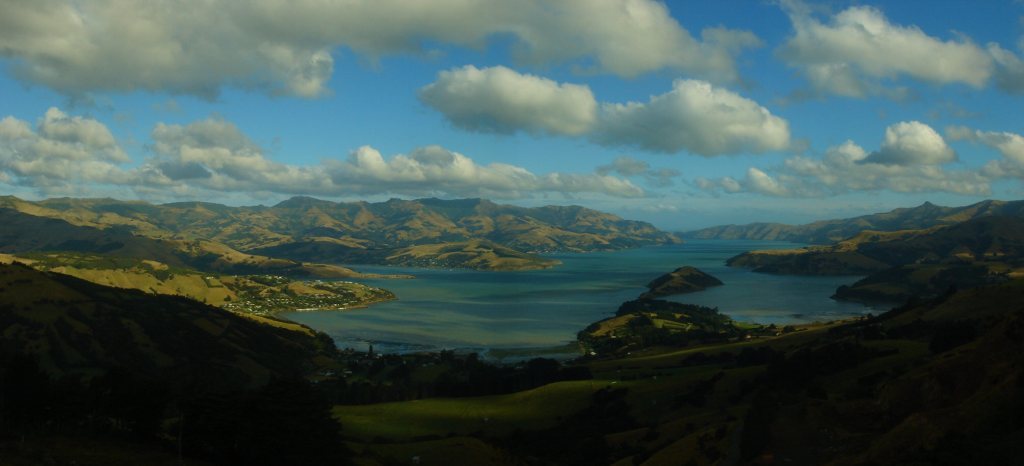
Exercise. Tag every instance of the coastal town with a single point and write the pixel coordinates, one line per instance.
(269, 294)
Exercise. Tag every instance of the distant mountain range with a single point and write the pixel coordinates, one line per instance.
(495, 236)
(926, 215)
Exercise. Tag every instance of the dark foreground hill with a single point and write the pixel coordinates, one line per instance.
(76, 328)
(93, 375)
(924, 216)
(934, 381)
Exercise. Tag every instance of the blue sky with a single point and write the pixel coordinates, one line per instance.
(686, 114)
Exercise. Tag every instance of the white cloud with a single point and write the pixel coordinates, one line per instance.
(501, 100)
(627, 38)
(859, 46)
(77, 47)
(912, 143)
(214, 154)
(65, 154)
(127, 45)
(696, 117)
(1009, 145)
(761, 182)
(434, 169)
(61, 151)
(915, 150)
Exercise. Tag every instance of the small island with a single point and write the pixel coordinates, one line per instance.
(682, 280)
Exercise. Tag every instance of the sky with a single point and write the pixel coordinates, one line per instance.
(685, 114)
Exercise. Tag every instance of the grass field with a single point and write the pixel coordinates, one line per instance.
(495, 415)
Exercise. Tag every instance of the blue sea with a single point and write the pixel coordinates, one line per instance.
(477, 311)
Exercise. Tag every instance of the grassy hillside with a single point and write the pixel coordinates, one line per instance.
(246, 294)
(925, 216)
(24, 233)
(649, 322)
(472, 254)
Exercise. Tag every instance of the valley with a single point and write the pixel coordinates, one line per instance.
(511, 233)
(654, 353)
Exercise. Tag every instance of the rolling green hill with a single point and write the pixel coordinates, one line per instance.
(925, 216)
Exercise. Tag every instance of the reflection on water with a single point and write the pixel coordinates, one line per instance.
(462, 309)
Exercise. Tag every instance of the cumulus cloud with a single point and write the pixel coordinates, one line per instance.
(857, 47)
(214, 154)
(761, 182)
(912, 143)
(501, 100)
(913, 155)
(78, 47)
(60, 151)
(695, 117)
(629, 167)
(64, 153)
(434, 169)
(1009, 145)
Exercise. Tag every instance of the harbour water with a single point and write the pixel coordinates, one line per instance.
(477, 311)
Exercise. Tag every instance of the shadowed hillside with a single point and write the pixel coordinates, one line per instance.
(93, 375)
(76, 327)
(901, 264)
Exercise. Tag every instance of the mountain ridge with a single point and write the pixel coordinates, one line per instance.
(926, 215)
(357, 227)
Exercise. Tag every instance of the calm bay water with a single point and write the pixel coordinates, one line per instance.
(461, 309)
